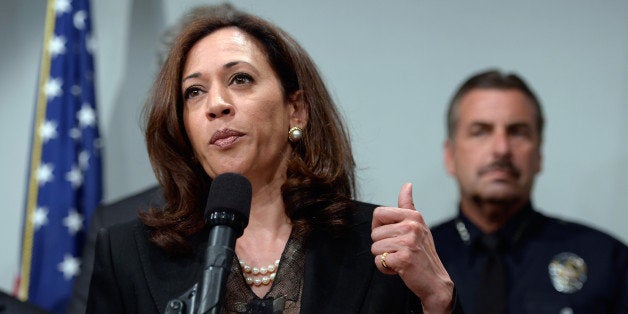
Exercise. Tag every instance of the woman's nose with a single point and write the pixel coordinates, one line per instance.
(218, 105)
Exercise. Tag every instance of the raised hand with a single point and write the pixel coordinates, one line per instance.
(403, 244)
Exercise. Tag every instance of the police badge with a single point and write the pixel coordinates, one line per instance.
(568, 272)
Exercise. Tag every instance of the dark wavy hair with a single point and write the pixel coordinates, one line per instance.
(320, 177)
(492, 79)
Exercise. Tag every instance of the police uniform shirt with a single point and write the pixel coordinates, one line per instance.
(552, 266)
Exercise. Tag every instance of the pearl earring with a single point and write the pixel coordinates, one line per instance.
(295, 134)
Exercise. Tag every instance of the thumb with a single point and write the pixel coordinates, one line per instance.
(405, 197)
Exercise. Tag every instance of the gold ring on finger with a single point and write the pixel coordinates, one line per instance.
(383, 260)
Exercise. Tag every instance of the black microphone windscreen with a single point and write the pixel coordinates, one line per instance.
(229, 192)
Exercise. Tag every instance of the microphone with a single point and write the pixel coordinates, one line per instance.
(227, 213)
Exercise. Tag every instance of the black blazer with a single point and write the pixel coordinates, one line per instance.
(132, 275)
(120, 211)
(11, 305)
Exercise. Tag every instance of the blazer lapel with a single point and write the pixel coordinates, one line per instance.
(336, 280)
(167, 277)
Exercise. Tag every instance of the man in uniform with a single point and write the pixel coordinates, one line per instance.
(503, 255)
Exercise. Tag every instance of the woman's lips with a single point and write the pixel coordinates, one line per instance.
(225, 138)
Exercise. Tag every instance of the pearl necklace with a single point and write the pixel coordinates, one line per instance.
(250, 272)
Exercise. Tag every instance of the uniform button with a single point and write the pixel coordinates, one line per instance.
(566, 310)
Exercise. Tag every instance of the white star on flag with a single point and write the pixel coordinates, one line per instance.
(69, 267)
(40, 217)
(62, 6)
(44, 173)
(79, 19)
(48, 130)
(75, 134)
(75, 176)
(53, 88)
(56, 46)
(90, 44)
(83, 160)
(74, 221)
(86, 116)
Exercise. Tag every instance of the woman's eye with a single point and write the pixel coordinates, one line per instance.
(191, 92)
(241, 79)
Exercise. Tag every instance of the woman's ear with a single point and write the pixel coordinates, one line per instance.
(299, 110)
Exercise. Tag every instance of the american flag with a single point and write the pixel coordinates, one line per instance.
(64, 184)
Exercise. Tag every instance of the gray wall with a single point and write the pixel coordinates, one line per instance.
(392, 66)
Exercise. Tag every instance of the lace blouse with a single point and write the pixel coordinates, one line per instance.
(284, 295)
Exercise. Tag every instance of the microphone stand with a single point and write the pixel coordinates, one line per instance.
(227, 214)
(218, 259)
(185, 303)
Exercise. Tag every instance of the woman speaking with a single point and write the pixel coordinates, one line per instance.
(239, 95)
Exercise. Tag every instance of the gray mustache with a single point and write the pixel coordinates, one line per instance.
(502, 165)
